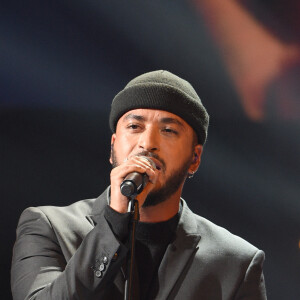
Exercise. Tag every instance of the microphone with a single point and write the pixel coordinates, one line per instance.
(135, 182)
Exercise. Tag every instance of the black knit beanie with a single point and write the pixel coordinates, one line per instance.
(164, 91)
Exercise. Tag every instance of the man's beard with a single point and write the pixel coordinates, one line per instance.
(172, 184)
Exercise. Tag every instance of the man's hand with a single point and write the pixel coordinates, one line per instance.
(138, 164)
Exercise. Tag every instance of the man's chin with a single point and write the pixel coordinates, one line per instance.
(159, 195)
(164, 191)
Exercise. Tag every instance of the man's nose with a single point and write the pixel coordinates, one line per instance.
(149, 140)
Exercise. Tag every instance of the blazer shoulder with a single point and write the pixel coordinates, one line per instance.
(227, 243)
(55, 215)
(79, 208)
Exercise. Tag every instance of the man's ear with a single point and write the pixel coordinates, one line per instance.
(113, 138)
(198, 149)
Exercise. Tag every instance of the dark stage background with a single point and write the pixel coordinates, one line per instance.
(61, 63)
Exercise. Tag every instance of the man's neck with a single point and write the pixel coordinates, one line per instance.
(162, 211)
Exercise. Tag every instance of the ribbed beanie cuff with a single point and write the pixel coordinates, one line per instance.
(164, 91)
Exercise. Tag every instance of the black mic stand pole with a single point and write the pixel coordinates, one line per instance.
(131, 187)
(135, 216)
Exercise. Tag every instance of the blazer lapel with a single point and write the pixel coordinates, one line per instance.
(179, 254)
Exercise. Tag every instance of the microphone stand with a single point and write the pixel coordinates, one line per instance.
(133, 184)
(135, 216)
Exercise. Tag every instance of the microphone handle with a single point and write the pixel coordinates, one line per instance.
(133, 184)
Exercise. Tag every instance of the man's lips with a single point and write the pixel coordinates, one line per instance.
(157, 163)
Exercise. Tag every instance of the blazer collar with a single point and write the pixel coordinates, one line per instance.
(99, 206)
(187, 232)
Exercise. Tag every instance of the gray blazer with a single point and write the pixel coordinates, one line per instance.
(71, 253)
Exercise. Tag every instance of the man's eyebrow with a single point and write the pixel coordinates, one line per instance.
(166, 120)
(171, 121)
(134, 117)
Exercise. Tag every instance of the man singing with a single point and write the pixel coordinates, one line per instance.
(159, 127)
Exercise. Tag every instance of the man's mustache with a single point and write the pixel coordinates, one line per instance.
(154, 155)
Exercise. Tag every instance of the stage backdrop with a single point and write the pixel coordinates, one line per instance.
(61, 63)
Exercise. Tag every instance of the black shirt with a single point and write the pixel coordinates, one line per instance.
(152, 240)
